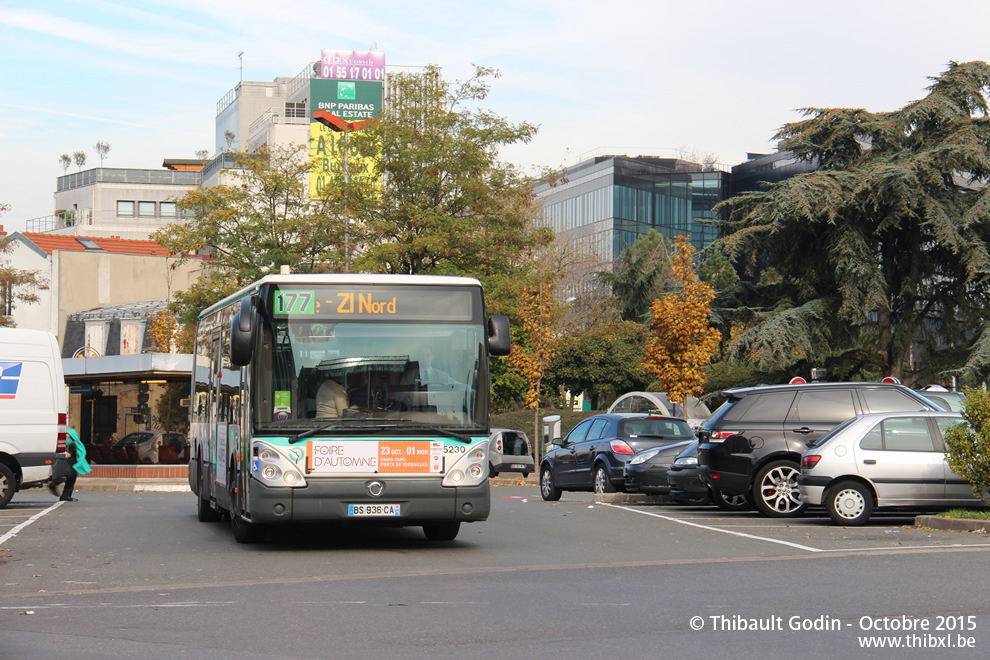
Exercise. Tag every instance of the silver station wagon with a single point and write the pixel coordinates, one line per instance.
(883, 460)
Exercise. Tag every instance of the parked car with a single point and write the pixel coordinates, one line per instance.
(631, 402)
(646, 471)
(753, 443)
(947, 399)
(144, 446)
(883, 460)
(592, 455)
(686, 486)
(509, 451)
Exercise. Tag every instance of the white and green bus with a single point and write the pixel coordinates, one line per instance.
(344, 399)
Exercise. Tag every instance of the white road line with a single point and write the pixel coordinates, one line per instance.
(805, 547)
(14, 532)
(716, 529)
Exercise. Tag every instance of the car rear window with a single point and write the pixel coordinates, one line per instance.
(656, 427)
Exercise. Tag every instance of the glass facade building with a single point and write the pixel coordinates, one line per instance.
(607, 203)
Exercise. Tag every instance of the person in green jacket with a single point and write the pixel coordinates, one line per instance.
(76, 455)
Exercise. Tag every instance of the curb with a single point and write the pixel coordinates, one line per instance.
(952, 524)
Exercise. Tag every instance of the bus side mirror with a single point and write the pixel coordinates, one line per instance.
(242, 334)
(499, 338)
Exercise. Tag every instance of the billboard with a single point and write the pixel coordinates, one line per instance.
(352, 65)
(350, 101)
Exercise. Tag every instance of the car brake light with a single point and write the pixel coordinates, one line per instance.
(722, 435)
(620, 447)
(810, 461)
(63, 431)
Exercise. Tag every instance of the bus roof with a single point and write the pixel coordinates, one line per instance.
(340, 278)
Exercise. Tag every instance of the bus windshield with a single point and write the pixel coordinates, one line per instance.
(402, 373)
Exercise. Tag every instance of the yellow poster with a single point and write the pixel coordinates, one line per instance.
(327, 156)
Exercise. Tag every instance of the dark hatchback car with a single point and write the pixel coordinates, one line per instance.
(686, 486)
(753, 443)
(592, 455)
(646, 472)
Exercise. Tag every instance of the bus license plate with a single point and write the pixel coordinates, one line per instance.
(372, 509)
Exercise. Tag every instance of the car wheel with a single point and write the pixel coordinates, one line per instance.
(602, 482)
(442, 531)
(849, 503)
(775, 490)
(731, 502)
(547, 489)
(491, 471)
(8, 484)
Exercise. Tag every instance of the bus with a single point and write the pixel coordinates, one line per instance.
(344, 400)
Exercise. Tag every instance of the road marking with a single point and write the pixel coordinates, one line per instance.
(797, 545)
(681, 521)
(14, 532)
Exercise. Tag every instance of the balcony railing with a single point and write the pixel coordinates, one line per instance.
(118, 175)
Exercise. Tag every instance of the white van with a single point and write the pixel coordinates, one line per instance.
(33, 405)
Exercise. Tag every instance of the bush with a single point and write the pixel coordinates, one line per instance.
(967, 446)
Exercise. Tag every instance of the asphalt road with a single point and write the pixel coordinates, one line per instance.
(124, 575)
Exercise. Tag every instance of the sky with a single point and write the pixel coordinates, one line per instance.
(654, 77)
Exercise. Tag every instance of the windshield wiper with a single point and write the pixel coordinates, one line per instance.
(375, 423)
(440, 431)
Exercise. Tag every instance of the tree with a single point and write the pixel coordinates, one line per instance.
(683, 341)
(439, 201)
(531, 356)
(718, 271)
(641, 277)
(102, 149)
(202, 154)
(884, 245)
(79, 158)
(250, 228)
(16, 286)
(65, 161)
(602, 362)
(967, 446)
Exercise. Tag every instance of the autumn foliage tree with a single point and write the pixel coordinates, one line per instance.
(683, 340)
(537, 312)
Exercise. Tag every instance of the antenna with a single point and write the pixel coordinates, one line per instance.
(240, 58)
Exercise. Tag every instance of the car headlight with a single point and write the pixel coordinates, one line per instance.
(686, 461)
(471, 469)
(644, 456)
(269, 466)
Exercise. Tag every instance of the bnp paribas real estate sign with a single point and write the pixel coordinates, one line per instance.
(347, 94)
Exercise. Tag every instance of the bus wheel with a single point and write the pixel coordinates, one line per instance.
(442, 531)
(244, 531)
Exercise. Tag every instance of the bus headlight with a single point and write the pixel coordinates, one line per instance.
(271, 468)
(471, 469)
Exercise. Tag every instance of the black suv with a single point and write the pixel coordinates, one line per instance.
(753, 443)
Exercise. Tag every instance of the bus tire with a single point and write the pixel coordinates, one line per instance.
(442, 531)
(244, 531)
